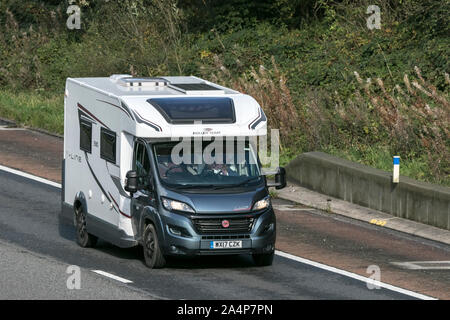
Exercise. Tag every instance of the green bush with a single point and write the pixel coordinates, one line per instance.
(309, 50)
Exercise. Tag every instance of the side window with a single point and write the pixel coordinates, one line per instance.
(85, 135)
(142, 164)
(108, 145)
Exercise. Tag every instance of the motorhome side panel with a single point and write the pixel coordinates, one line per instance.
(126, 164)
(92, 155)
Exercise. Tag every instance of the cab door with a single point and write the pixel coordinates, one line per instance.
(145, 195)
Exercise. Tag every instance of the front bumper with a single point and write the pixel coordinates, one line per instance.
(259, 239)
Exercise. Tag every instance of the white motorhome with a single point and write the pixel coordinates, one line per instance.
(122, 184)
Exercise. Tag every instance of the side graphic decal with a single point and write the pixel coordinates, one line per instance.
(139, 119)
(116, 181)
(261, 117)
(121, 212)
(91, 115)
(107, 194)
(122, 107)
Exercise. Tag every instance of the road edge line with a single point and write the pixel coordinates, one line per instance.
(30, 176)
(353, 276)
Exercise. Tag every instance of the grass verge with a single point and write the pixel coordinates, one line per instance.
(35, 110)
(43, 111)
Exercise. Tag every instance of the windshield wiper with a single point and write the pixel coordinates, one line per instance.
(213, 186)
(240, 183)
(193, 186)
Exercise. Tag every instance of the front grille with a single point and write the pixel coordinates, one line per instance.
(214, 225)
(226, 237)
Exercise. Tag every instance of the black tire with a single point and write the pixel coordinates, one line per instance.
(84, 239)
(264, 259)
(153, 256)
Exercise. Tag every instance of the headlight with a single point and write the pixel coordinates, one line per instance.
(261, 204)
(173, 205)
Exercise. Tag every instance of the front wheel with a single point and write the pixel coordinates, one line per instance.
(84, 239)
(264, 259)
(152, 252)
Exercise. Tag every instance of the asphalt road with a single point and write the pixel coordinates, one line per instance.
(36, 250)
(27, 275)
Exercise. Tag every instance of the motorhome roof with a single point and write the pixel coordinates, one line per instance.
(126, 85)
(172, 106)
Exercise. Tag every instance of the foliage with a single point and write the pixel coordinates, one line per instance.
(298, 58)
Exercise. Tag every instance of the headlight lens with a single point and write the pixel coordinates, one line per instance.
(262, 204)
(173, 205)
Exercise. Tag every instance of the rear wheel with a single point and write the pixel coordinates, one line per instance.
(152, 252)
(264, 259)
(84, 239)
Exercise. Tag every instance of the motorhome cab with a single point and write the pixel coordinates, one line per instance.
(124, 182)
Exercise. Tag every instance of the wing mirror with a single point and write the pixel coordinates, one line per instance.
(131, 183)
(280, 179)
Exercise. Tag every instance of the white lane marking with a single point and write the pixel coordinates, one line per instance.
(280, 253)
(109, 275)
(11, 129)
(354, 276)
(288, 207)
(423, 265)
(30, 176)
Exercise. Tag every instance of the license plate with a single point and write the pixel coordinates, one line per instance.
(225, 244)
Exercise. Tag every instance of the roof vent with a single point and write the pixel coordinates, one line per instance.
(200, 88)
(116, 77)
(141, 82)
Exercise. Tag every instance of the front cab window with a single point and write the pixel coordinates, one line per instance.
(233, 167)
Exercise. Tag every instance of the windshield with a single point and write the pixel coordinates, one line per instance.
(207, 164)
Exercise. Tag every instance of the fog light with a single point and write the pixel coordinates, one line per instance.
(268, 227)
(175, 232)
(179, 231)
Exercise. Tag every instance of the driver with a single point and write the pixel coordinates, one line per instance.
(222, 169)
(164, 167)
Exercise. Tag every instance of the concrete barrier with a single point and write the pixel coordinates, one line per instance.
(419, 201)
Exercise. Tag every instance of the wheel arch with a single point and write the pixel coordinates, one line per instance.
(80, 201)
(150, 216)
